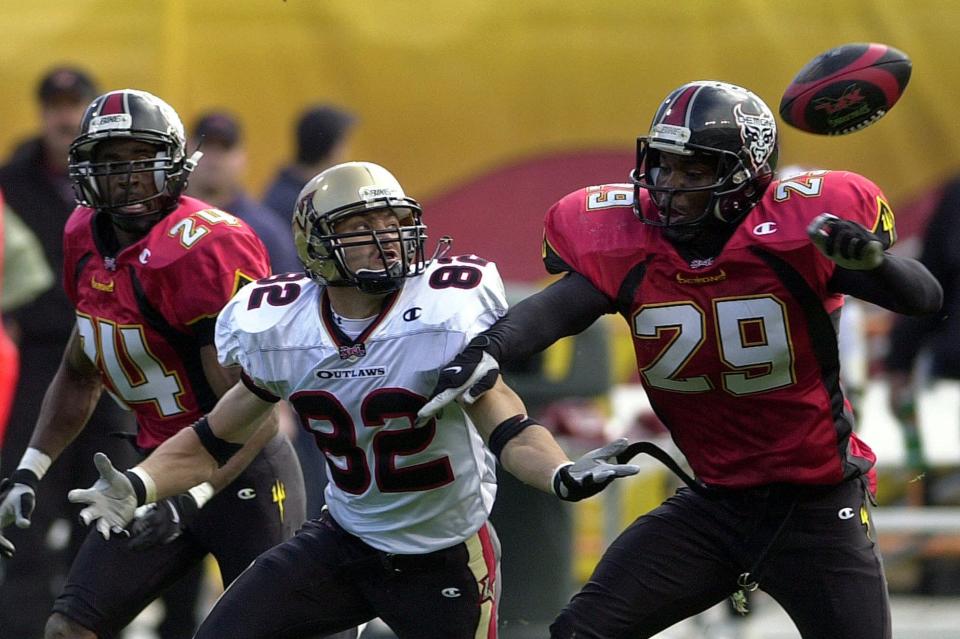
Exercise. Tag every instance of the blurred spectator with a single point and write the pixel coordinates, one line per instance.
(922, 351)
(929, 346)
(26, 273)
(322, 141)
(218, 179)
(35, 184)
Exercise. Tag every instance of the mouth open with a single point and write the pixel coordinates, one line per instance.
(134, 208)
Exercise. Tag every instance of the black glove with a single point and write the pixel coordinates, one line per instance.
(471, 374)
(591, 473)
(847, 243)
(163, 522)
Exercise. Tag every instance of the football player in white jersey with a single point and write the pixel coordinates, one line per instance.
(355, 345)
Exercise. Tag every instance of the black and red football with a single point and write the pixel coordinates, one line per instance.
(846, 88)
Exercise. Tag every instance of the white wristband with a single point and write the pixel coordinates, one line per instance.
(149, 486)
(36, 461)
(202, 493)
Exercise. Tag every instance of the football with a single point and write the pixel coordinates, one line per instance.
(846, 89)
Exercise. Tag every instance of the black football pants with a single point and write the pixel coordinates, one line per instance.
(811, 549)
(326, 580)
(109, 584)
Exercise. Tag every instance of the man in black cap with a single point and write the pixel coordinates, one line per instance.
(36, 186)
(322, 141)
(219, 181)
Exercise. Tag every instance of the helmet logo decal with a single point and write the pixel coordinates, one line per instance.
(110, 122)
(303, 211)
(679, 135)
(758, 132)
(368, 193)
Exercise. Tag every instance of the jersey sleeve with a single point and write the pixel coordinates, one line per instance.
(853, 197)
(595, 233)
(210, 274)
(235, 329)
(491, 301)
(558, 253)
(74, 246)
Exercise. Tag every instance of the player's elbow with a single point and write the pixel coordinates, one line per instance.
(926, 298)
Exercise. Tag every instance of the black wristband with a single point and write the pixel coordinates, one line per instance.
(138, 488)
(25, 476)
(188, 508)
(507, 430)
(220, 449)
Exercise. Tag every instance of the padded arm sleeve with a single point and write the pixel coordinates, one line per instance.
(566, 307)
(899, 284)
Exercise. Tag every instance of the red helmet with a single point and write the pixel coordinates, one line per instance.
(716, 120)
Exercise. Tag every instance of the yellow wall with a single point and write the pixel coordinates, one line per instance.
(450, 88)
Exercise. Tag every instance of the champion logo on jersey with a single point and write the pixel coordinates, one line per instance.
(353, 352)
(144, 255)
(765, 228)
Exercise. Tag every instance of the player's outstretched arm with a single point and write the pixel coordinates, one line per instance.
(187, 459)
(66, 407)
(869, 273)
(529, 452)
(566, 307)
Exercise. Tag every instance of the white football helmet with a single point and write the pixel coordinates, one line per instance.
(348, 189)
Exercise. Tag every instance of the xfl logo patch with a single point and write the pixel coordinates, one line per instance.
(354, 352)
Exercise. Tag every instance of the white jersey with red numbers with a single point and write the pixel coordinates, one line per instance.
(399, 488)
(737, 353)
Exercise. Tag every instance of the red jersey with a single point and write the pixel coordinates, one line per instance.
(143, 312)
(738, 354)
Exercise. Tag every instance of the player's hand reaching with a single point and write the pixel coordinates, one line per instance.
(17, 499)
(471, 374)
(591, 473)
(111, 501)
(847, 243)
(163, 521)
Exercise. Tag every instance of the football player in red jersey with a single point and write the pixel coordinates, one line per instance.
(732, 284)
(148, 270)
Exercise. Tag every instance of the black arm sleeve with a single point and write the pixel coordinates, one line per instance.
(899, 284)
(566, 307)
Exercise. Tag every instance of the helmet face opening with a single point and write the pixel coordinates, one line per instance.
(711, 123)
(346, 210)
(129, 159)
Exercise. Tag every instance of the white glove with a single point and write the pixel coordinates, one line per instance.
(111, 501)
(591, 473)
(846, 243)
(6, 547)
(18, 500)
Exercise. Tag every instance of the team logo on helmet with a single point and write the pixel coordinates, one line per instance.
(758, 132)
